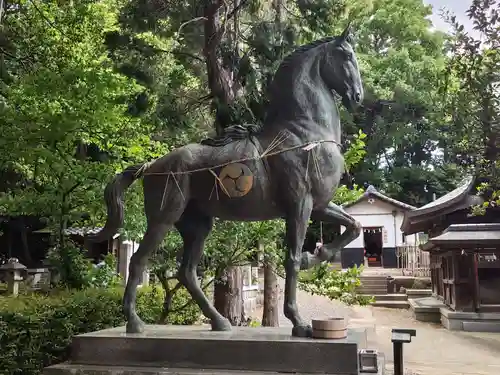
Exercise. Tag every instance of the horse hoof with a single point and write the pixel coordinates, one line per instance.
(135, 327)
(302, 331)
(221, 325)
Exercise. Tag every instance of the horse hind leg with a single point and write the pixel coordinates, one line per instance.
(194, 228)
(160, 221)
(151, 240)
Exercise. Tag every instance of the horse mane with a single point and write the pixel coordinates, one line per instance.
(239, 132)
(298, 53)
(232, 133)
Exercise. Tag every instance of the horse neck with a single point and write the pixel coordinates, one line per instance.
(302, 104)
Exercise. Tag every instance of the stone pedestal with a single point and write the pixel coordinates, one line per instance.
(197, 350)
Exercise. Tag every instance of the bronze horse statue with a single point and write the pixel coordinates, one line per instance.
(289, 168)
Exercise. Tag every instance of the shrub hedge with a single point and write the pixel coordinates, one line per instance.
(36, 330)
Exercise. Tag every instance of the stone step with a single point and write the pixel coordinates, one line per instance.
(418, 293)
(392, 304)
(391, 297)
(371, 290)
(371, 293)
(374, 282)
(370, 285)
(387, 297)
(374, 278)
(70, 369)
(260, 349)
(373, 286)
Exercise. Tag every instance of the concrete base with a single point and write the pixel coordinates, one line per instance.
(418, 293)
(196, 350)
(68, 369)
(426, 309)
(470, 321)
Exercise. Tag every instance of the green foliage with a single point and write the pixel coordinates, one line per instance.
(335, 284)
(75, 271)
(353, 156)
(345, 195)
(229, 244)
(36, 331)
(420, 284)
(67, 111)
(356, 150)
(240, 241)
(402, 62)
(472, 99)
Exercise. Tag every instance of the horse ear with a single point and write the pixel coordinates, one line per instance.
(346, 34)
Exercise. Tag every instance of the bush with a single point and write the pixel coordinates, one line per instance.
(76, 271)
(421, 284)
(36, 330)
(334, 284)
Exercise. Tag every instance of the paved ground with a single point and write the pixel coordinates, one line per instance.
(435, 351)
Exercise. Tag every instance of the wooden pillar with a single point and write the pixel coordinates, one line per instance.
(475, 281)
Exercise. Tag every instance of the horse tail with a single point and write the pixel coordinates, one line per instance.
(113, 196)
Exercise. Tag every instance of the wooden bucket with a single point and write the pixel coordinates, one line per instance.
(330, 328)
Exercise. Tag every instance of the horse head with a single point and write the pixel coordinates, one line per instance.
(340, 70)
(306, 78)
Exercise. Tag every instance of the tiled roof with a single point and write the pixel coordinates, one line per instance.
(82, 231)
(448, 198)
(460, 198)
(76, 231)
(467, 235)
(372, 192)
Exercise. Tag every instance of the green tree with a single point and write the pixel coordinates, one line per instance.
(473, 98)
(67, 111)
(402, 62)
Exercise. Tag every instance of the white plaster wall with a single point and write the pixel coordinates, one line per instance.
(379, 214)
(126, 250)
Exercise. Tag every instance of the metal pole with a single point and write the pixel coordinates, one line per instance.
(398, 358)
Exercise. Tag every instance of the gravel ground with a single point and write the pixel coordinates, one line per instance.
(434, 351)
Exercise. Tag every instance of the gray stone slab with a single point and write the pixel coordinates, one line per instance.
(481, 326)
(483, 316)
(263, 349)
(426, 309)
(69, 369)
(452, 324)
(426, 304)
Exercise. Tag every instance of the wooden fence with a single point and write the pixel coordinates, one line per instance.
(413, 261)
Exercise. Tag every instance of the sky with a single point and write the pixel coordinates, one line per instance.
(457, 7)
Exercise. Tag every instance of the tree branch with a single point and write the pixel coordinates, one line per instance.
(181, 53)
(235, 10)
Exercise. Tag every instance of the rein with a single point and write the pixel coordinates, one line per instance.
(308, 146)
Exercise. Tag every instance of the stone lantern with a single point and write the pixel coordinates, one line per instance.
(13, 271)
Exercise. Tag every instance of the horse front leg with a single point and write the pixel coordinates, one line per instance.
(296, 227)
(336, 215)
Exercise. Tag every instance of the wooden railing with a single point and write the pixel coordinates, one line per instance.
(413, 261)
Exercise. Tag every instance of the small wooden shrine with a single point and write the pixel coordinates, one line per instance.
(465, 258)
(465, 267)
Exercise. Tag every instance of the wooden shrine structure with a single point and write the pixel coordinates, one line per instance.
(464, 258)
(465, 267)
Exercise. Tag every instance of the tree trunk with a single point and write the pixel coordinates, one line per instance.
(228, 295)
(228, 291)
(270, 315)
